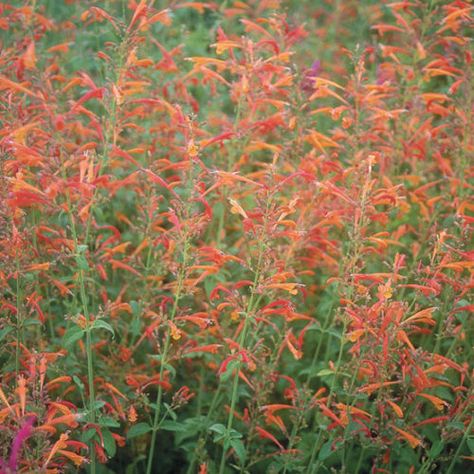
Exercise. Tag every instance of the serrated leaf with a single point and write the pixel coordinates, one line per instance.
(218, 428)
(138, 430)
(239, 449)
(109, 443)
(109, 422)
(234, 434)
(192, 427)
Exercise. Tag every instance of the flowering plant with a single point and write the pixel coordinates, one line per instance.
(236, 236)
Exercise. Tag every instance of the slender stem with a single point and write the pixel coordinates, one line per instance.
(242, 338)
(235, 386)
(292, 439)
(158, 406)
(460, 446)
(359, 461)
(324, 328)
(164, 356)
(191, 466)
(19, 322)
(89, 353)
(355, 243)
(90, 363)
(331, 390)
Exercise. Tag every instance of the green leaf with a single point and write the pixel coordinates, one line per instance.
(138, 430)
(352, 427)
(171, 413)
(239, 449)
(325, 372)
(325, 451)
(192, 426)
(82, 263)
(470, 444)
(101, 324)
(109, 422)
(456, 425)
(31, 322)
(109, 443)
(169, 425)
(171, 370)
(78, 382)
(88, 435)
(5, 331)
(98, 404)
(218, 428)
(132, 468)
(209, 285)
(135, 326)
(72, 335)
(135, 307)
(436, 449)
(234, 434)
(462, 302)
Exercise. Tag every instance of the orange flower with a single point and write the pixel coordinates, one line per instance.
(413, 441)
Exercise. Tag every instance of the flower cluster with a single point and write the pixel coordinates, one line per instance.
(236, 236)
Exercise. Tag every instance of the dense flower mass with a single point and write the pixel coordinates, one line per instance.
(236, 236)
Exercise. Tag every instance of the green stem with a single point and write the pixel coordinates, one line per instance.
(242, 338)
(460, 446)
(359, 461)
(235, 387)
(164, 357)
(294, 431)
(331, 392)
(325, 327)
(90, 364)
(355, 243)
(19, 322)
(158, 406)
(89, 354)
(190, 469)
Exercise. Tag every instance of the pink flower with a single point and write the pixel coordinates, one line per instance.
(307, 84)
(22, 435)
